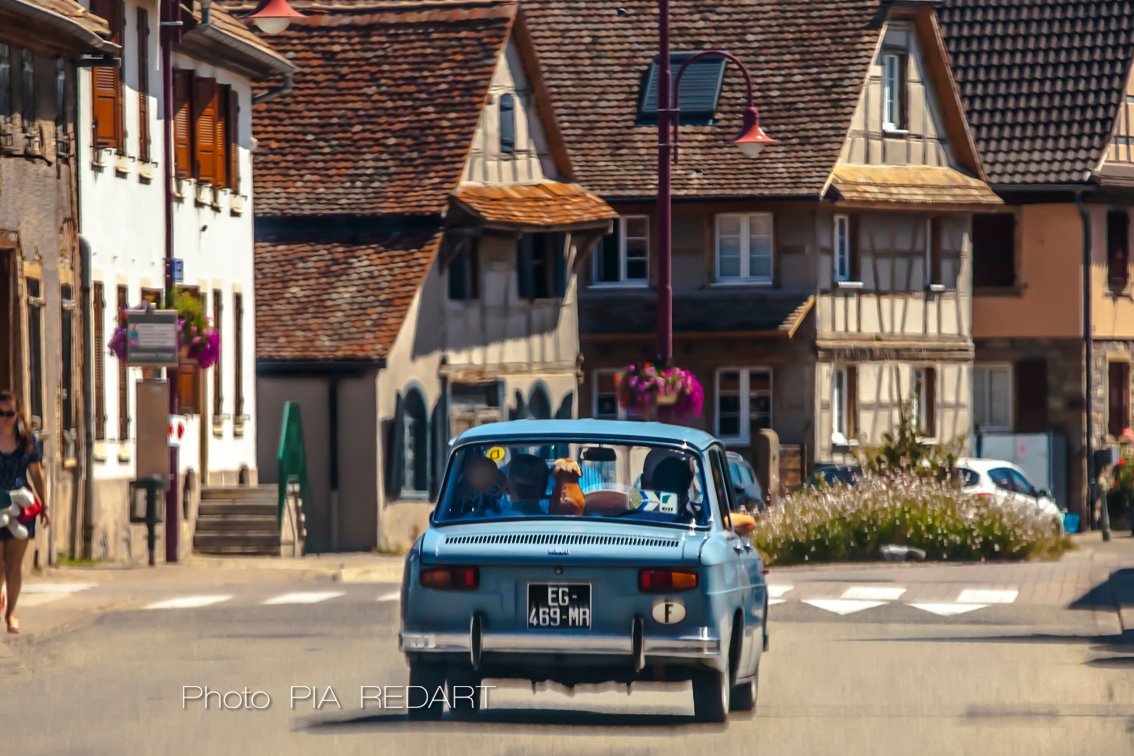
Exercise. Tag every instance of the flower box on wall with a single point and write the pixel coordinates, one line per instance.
(667, 395)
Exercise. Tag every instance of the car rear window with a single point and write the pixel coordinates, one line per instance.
(966, 476)
(553, 478)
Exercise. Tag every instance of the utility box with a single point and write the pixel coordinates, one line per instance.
(766, 460)
(152, 428)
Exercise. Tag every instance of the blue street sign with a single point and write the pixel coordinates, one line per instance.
(178, 270)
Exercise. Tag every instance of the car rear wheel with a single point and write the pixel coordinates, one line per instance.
(423, 700)
(711, 693)
(744, 694)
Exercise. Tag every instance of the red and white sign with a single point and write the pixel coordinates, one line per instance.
(176, 429)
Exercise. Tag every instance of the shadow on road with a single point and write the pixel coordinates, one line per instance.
(526, 717)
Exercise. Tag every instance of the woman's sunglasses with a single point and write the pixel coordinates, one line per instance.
(7, 413)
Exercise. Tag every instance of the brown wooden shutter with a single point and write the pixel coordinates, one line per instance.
(218, 384)
(232, 147)
(1118, 398)
(1030, 379)
(182, 122)
(106, 82)
(123, 378)
(220, 131)
(935, 268)
(931, 402)
(143, 84)
(238, 354)
(852, 247)
(98, 315)
(852, 401)
(205, 130)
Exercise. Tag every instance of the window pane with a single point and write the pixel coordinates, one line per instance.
(981, 378)
(760, 245)
(1000, 387)
(606, 259)
(637, 226)
(760, 399)
(838, 401)
(636, 259)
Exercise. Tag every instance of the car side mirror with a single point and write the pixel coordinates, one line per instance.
(1043, 493)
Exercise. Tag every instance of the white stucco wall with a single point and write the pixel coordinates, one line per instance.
(121, 215)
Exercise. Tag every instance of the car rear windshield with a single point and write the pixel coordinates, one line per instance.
(632, 482)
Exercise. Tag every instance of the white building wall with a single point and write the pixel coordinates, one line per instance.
(121, 216)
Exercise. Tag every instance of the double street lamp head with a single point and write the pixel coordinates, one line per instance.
(273, 16)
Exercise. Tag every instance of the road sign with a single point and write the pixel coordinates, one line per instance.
(151, 338)
(177, 269)
(176, 429)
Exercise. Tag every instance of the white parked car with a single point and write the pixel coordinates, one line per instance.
(1007, 484)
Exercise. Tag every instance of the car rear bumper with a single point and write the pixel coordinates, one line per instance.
(702, 645)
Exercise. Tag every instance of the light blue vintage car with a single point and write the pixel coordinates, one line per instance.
(641, 578)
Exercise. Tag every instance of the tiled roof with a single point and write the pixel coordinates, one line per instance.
(68, 16)
(383, 110)
(808, 59)
(1041, 81)
(326, 295)
(550, 203)
(911, 185)
(236, 34)
(631, 312)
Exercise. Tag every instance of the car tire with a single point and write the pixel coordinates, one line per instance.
(743, 696)
(711, 696)
(430, 677)
(460, 703)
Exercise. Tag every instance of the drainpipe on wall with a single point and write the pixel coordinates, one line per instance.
(1088, 377)
(170, 28)
(333, 416)
(87, 477)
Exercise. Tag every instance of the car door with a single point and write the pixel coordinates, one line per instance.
(746, 561)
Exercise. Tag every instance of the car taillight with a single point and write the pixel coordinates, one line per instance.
(450, 578)
(664, 581)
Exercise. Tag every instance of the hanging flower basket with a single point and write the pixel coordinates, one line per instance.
(669, 395)
(197, 340)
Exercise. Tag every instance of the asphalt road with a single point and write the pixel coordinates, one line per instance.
(1005, 678)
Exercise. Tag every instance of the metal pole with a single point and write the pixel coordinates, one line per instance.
(664, 219)
(170, 16)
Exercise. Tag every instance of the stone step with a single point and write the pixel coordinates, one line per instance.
(266, 541)
(226, 509)
(240, 493)
(240, 550)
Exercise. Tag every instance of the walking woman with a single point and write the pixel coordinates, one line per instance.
(19, 468)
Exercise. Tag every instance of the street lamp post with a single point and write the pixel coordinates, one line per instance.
(751, 141)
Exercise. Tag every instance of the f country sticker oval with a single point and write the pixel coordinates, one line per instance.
(668, 611)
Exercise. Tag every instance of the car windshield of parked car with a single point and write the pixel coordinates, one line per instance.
(632, 482)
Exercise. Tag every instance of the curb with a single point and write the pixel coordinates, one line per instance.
(386, 573)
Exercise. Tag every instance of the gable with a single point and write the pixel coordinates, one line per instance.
(1120, 151)
(511, 144)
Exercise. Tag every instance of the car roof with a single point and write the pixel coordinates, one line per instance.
(614, 430)
(984, 465)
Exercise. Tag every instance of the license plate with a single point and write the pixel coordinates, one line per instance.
(559, 605)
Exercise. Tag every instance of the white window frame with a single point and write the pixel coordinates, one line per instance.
(745, 276)
(745, 410)
(595, 392)
(623, 282)
(985, 368)
(891, 91)
(842, 251)
(839, 406)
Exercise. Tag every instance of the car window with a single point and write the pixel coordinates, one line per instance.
(544, 478)
(1001, 477)
(1023, 485)
(966, 476)
(720, 486)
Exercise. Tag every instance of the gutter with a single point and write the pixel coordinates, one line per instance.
(274, 92)
(62, 23)
(316, 367)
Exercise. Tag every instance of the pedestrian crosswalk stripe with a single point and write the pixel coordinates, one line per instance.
(843, 606)
(987, 596)
(308, 597)
(189, 602)
(948, 610)
(39, 599)
(55, 588)
(391, 596)
(874, 592)
(778, 591)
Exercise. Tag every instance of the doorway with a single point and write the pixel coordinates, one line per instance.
(8, 319)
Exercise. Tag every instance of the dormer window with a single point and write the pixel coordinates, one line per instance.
(507, 124)
(700, 86)
(894, 91)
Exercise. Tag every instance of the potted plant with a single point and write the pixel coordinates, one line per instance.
(197, 339)
(653, 393)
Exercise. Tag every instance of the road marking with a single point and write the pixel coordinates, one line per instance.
(986, 596)
(778, 591)
(55, 588)
(303, 597)
(874, 593)
(39, 599)
(391, 596)
(843, 606)
(188, 602)
(948, 610)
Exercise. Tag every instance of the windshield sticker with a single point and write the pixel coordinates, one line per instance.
(655, 501)
(496, 454)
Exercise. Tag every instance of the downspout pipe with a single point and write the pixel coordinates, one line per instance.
(170, 31)
(88, 381)
(274, 92)
(1088, 373)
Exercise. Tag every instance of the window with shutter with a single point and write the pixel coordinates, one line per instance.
(107, 82)
(700, 86)
(188, 381)
(143, 84)
(98, 317)
(1118, 248)
(1118, 398)
(507, 124)
(933, 267)
(238, 361)
(182, 122)
(232, 146)
(220, 172)
(204, 102)
(123, 377)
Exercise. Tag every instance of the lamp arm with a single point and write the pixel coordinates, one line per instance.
(677, 87)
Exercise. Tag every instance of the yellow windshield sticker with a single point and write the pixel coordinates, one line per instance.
(496, 453)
